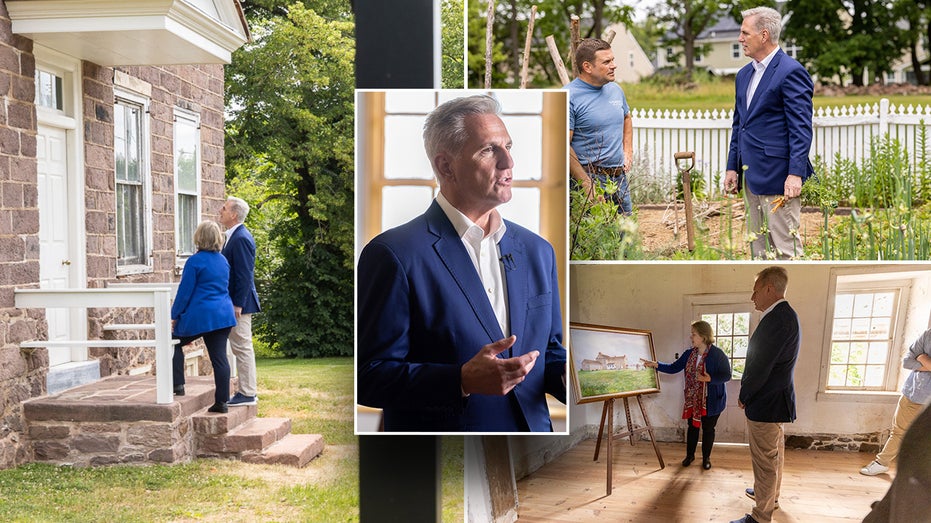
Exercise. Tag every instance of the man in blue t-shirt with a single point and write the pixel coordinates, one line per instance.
(600, 125)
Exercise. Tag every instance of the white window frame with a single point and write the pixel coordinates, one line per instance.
(183, 117)
(630, 58)
(696, 305)
(126, 97)
(891, 376)
(735, 52)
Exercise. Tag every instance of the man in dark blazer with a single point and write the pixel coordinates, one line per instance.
(771, 138)
(240, 252)
(767, 390)
(459, 324)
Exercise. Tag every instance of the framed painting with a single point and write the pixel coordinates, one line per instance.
(606, 362)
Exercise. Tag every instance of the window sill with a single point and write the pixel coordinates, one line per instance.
(134, 269)
(853, 396)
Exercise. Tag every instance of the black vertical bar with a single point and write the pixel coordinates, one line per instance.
(399, 479)
(394, 44)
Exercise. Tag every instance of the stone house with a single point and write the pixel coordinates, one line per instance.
(111, 152)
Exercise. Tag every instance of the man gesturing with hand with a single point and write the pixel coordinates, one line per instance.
(458, 320)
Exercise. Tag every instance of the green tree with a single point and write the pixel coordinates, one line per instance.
(846, 38)
(289, 150)
(686, 19)
(453, 53)
(510, 32)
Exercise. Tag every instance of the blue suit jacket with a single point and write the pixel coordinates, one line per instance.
(240, 253)
(202, 303)
(423, 313)
(717, 366)
(767, 388)
(772, 137)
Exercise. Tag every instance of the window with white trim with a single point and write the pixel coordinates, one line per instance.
(735, 51)
(731, 325)
(863, 336)
(187, 180)
(133, 183)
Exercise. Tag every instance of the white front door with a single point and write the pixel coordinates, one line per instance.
(54, 242)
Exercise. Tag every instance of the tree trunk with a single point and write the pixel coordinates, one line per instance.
(916, 64)
(515, 38)
(597, 16)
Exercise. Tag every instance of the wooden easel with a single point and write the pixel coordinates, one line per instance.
(630, 432)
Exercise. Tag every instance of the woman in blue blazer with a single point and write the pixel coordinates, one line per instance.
(706, 368)
(203, 309)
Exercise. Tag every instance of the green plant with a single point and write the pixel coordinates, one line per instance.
(597, 231)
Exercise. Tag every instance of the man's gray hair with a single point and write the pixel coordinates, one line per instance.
(777, 276)
(766, 18)
(445, 128)
(240, 207)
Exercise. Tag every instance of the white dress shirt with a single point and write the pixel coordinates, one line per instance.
(485, 255)
(759, 68)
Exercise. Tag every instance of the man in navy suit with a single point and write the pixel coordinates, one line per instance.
(240, 252)
(459, 325)
(767, 390)
(771, 137)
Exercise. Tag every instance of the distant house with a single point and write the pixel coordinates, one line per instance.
(612, 362)
(632, 62)
(111, 152)
(725, 55)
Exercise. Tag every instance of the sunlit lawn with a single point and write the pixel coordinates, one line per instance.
(719, 95)
(318, 397)
(598, 382)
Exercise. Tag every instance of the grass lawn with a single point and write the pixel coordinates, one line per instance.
(719, 94)
(315, 394)
(598, 382)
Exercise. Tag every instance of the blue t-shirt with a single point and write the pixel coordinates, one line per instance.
(596, 119)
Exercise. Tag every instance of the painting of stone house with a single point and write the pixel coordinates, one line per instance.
(111, 153)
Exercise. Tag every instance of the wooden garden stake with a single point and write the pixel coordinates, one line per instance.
(525, 66)
(488, 34)
(609, 36)
(574, 43)
(554, 54)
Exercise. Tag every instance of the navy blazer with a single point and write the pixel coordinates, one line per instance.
(767, 388)
(240, 253)
(772, 137)
(202, 303)
(423, 312)
(717, 366)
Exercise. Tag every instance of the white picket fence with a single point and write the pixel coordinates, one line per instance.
(848, 130)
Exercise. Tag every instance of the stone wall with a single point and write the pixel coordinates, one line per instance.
(22, 372)
(197, 88)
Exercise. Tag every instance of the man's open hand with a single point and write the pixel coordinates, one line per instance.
(487, 374)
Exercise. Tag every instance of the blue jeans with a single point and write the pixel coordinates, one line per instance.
(622, 196)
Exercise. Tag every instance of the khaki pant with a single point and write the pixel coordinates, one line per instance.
(241, 346)
(767, 454)
(777, 232)
(905, 414)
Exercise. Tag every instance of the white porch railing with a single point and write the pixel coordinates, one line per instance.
(847, 130)
(158, 298)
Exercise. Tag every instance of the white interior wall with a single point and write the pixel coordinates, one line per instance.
(656, 297)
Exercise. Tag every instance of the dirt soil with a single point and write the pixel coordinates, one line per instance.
(659, 238)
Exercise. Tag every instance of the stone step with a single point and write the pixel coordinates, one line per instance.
(256, 434)
(294, 450)
(215, 424)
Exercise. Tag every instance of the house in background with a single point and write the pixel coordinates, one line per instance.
(632, 62)
(111, 152)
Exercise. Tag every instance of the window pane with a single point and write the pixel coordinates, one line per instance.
(874, 375)
(401, 204)
(843, 306)
(709, 318)
(860, 328)
(862, 305)
(187, 222)
(405, 157)
(409, 101)
(129, 224)
(879, 328)
(524, 208)
(740, 346)
(520, 101)
(49, 90)
(725, 344)
(879, 352)
(742, 323)
(858, 352)
(186, 153)
(839, 352)
(133, 130)
(841, 329)
(724, 324)
(838, 376)
(739, 366)
(883, 303)
(855, 376)
(527, 136)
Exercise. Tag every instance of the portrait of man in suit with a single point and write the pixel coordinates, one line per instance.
(771, 138)
(459, 327)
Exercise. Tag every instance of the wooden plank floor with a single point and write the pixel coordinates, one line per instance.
(817, 486)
